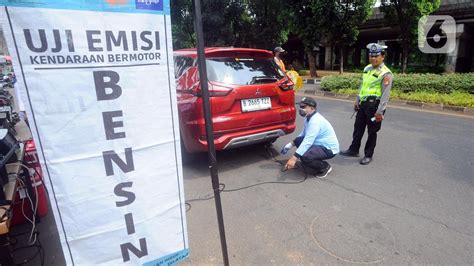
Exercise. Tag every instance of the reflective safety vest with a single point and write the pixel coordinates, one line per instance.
(280, 64)
(372, 82)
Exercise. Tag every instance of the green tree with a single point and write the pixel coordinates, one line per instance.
(303, 23)
(182, 24)
(406, 14)
(245, 23)
(219, 18)
(339, 21)
(269, 23)
(224, 22)
(238, 17)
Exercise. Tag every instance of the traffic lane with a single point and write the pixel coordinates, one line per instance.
(422, 165)
(246, 211)
(197, 174)
(288, 224)
(280, 220)
(423, 161)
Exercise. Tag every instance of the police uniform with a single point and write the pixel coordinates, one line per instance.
(372, 100)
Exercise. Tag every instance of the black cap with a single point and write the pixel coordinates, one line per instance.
(308, 101)
(278, 50)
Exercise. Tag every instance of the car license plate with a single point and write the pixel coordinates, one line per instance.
(249, 105)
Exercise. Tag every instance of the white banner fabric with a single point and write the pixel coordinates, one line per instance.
(100, 96)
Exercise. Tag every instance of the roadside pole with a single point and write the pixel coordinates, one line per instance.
(211, 151)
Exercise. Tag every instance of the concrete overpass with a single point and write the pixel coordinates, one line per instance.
(375, 29)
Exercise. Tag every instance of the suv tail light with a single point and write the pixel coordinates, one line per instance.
(214, 90)
(286, 85)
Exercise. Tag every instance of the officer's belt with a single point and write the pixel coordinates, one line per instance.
(370, 102)
(363, 99)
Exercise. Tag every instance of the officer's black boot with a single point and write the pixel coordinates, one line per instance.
(349, 153)
(366, 160)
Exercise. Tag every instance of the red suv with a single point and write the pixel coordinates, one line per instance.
(252, 100)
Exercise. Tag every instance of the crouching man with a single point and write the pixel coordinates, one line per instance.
(316, 143)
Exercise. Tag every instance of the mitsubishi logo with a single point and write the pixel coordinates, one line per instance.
(258, 92)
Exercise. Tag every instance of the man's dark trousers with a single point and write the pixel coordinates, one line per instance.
(363, 120)
(314, 157)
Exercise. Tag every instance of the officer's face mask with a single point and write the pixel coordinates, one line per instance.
(302, 111)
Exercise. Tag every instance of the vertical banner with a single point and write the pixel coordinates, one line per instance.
(97, 80)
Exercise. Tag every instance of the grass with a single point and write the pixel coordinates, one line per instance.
(455, 89)
(455, 98)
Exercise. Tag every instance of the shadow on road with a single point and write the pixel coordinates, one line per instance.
(264, 158)
(228, 159)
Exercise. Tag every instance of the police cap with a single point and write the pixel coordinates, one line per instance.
(375, 48)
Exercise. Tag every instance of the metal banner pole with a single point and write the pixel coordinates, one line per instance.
(209, 128)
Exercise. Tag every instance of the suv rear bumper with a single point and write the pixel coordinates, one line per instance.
(242, 138)
(254, 138)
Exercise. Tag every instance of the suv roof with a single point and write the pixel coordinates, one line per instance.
(225, 51)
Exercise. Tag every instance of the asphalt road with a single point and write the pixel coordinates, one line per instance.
(412, 204)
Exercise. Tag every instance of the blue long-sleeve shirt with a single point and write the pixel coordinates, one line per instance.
(317, 131)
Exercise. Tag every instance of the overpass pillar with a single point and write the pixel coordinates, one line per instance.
(460, 60)
(328, 57)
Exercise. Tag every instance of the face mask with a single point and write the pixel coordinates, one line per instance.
(302, 112)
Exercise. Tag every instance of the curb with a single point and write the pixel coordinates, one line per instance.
(311, 81)
(412, 104)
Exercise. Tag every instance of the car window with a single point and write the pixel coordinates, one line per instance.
(181, 65)
(178, 63)
(243, 71)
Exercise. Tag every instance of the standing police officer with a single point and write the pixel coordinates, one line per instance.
(370, 103)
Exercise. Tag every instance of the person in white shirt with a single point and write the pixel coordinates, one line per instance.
(316, 143)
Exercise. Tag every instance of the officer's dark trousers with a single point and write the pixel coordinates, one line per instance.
(362, 121)
(314, 157)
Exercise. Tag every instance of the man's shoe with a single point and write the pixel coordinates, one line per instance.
(324, 173)
(349, 153)
(366, 160)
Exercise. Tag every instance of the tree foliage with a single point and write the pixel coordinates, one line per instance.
(339, 20)
(182, 24)
(221, 21)
(244, 23)
(303, 22)
(334, 22)
(406, 14)
(269, 23)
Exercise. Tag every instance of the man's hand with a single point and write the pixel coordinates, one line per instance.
(291, 163)
(287, 147)
(378, 118)
(356, 106)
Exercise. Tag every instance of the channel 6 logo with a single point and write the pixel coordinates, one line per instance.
(437, 34)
